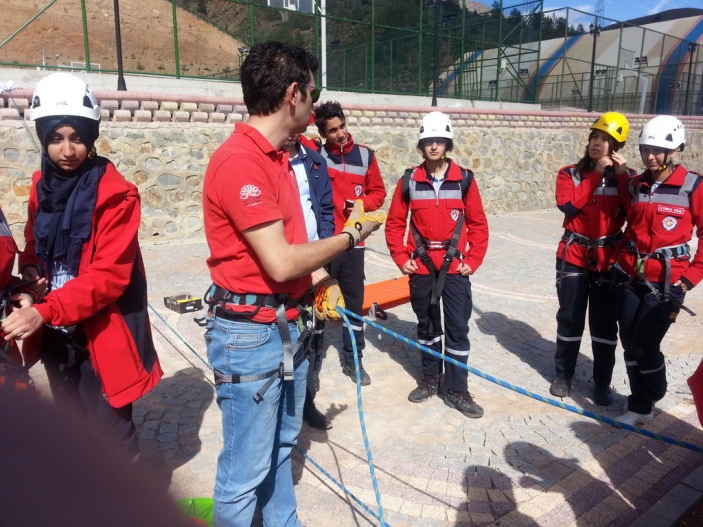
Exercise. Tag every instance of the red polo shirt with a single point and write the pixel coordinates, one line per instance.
(247, 183)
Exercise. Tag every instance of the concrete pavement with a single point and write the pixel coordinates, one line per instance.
(524, 463)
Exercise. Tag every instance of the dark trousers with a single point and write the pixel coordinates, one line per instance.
(456, 306)
(348, 269)
(315, 359)
(74, 382)
(644, 320)
(578, 291)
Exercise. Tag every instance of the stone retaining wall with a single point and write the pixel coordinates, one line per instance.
(163, 143)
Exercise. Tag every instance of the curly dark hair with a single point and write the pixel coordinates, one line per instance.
(325, 112)
(267, 72)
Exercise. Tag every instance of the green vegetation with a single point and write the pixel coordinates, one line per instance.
(399, 57)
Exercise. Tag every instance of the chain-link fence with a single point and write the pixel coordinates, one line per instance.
(506, 52)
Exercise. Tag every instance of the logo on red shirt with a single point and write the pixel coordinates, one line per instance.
(251, 195)
(670, 209)
(669, 223)
(454, 214)
(358, 190)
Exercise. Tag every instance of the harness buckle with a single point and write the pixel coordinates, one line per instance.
(436, 245)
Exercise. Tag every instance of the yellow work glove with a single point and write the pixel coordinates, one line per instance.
(327, 297)
(361, 224)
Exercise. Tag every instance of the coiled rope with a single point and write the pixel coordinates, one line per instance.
(307, 457)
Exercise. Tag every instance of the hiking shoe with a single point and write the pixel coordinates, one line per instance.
(314, 417)
(426, 388)
(635, 419)
(561, 387)
(602, 395)
(348, 370)
(464, 402)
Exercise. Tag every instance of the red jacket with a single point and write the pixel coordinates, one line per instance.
(435, 219)
(593, 207)
(354, 173)
(664, 217)
(108, 297)
(8, 251)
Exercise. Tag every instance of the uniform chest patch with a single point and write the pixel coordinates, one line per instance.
(454, 214)
(671, 210)
(669, 223)
(358, 190)
(251, 195)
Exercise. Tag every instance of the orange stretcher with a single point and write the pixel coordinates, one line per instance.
(384, 295)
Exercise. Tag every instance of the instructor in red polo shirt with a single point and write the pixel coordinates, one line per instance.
(260, 263)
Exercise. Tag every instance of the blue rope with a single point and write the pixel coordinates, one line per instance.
(314, 463)
(342, 487)
(523, 391)
(180, 338)
(343, 313)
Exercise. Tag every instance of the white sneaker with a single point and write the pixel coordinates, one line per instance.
(635, 419)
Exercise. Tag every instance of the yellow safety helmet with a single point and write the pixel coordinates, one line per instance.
(614, 124)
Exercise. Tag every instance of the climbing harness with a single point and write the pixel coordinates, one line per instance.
(220, 299)
(591, 251)
(666, 254)
(378, 517)
(423, 245)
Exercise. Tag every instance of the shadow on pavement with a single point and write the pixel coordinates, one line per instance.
(168, 421)
(499, 500)
(309, 435)
(581, 491)
(526, 343)
(634, 456)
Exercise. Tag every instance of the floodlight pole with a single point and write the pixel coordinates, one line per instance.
(595, 31)
(121, 86)
(323, 42)
(436, 46)
(691, 50)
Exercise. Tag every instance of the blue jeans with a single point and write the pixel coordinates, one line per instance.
(254, 467)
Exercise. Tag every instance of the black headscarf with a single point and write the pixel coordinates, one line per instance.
(67, 199)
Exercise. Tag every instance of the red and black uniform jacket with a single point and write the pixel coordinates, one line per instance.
(664, 217)
(593, 207)
(108, 297)
(354, 173)
(435, 215)
(8, 251)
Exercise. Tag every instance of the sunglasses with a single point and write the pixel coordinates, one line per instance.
(314, 92)
(440, 141)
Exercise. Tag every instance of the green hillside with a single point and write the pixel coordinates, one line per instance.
(399, 56)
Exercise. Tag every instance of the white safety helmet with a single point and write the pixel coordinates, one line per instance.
(436, 124)
(64, 94)
(664, 131)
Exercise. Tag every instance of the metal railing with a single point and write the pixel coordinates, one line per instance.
(512, 52)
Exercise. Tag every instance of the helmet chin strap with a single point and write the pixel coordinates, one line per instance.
(665, 164)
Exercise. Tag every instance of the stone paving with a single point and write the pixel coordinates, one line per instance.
(524, 463)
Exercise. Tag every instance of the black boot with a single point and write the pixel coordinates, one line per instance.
(602, 395)
(314, 417)
(348, 370)
(561, 387)
(426, 388)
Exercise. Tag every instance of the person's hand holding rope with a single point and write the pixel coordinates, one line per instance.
(328, 297)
